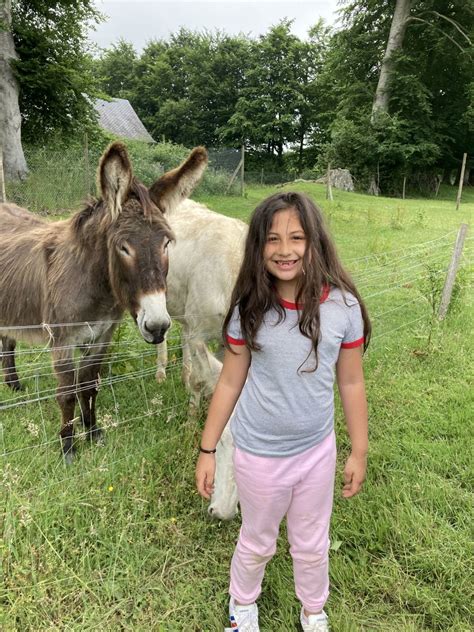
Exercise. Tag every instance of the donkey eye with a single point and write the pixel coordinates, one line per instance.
(123, 249)
(165, 247)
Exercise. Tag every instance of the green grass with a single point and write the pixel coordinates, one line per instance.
(121, 540)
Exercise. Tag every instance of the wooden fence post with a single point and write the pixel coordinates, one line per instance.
(237, 169)
(451, 275)
(3, 196)
(461, 182)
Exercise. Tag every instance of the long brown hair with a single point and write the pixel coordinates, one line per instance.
(254, 292)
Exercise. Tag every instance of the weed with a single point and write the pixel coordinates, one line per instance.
(420, 218)
(397, 219)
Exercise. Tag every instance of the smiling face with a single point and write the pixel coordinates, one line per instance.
(284, 251)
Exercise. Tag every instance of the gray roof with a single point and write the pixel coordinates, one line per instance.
(118, 116)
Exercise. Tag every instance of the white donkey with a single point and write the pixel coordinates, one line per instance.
(203, 266)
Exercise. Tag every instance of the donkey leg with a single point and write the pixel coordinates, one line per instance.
(224, 499)
(205, 371)
(161, 361)
(8, 363)
(187, 372)
(88, 388)
(187, 361)
(63, 363)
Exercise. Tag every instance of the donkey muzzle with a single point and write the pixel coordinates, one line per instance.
(157, 335)
(153, 319)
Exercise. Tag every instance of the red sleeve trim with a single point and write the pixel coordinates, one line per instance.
(234, 341)
(352, 345)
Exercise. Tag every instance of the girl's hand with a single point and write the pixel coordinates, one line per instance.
(354, 475)
(205, 471)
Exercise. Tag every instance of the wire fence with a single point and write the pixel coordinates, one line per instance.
(61, 179)
(399, 287)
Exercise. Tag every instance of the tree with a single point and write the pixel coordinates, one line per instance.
(218, 85)
(395, 111)
(276, 108)
(10, 119)
(309, 129)
(117, 70)
(184, 88)
(394, 44)
(53, 67)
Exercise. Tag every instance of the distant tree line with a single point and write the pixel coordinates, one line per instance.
(296, 104)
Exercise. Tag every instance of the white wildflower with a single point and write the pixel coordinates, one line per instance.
(32, 428)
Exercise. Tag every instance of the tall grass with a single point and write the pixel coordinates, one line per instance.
(121, 540)
(61, 179)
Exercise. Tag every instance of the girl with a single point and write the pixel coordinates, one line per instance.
(295, 318)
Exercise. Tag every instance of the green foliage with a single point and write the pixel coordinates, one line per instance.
(116, 70)
(62, 176)
(278, 105)
(425, 130)
(54, 71)
(216, 89)
(58, 179)
(296, 104)
(184, 89)
(150, 161)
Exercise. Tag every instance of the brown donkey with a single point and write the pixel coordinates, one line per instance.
(107, 258)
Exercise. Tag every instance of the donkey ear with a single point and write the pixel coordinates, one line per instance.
(114, 177)
(176, 185)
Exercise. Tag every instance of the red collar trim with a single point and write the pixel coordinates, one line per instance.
(289, 305)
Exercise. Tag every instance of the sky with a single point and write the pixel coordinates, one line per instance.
(139, 22)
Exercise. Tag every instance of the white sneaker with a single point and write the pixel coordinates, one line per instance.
(243, 618)
(315, 622)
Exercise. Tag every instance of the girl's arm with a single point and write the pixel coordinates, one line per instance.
(227, 391)
(350, 381)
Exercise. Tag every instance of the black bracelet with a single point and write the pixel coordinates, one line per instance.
(207, 451)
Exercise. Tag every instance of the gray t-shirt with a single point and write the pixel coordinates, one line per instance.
(282, 411)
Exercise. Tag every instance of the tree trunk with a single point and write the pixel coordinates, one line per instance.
(394, 44)
(10, 119)
(280, 152)
(301, 147)
(373, 187)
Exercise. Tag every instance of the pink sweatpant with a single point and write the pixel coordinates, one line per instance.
(302, 487)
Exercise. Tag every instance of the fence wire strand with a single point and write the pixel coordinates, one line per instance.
(127, 353)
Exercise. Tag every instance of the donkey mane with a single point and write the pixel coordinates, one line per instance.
(96, 206)
(141, 193)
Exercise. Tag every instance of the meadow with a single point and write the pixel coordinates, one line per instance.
(122, 541)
